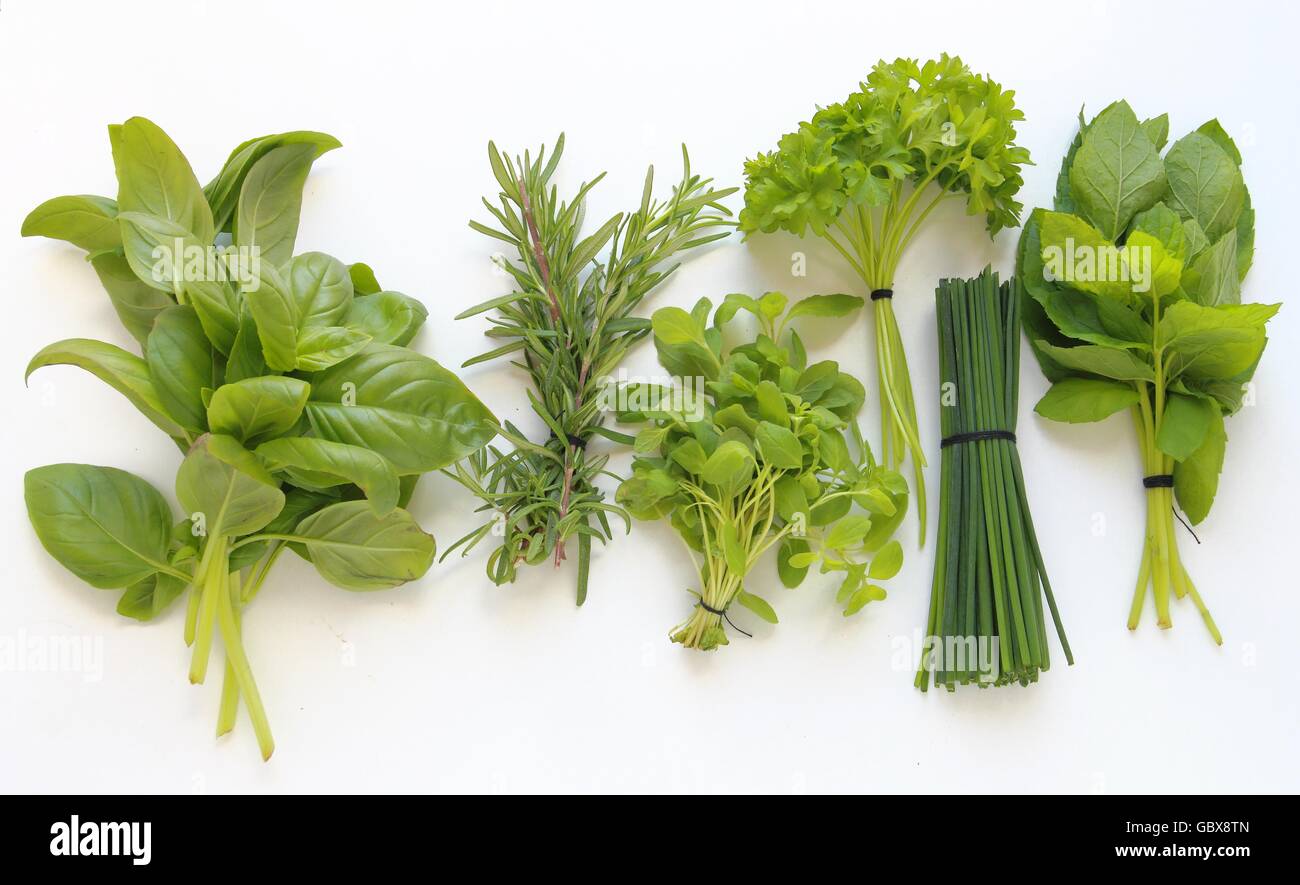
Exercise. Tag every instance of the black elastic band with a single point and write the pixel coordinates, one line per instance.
(576, 441)
(723, 612)
(1166, 481)
(882, 293)
(976, 435)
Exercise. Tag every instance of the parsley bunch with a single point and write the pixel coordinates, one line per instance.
(865, 173)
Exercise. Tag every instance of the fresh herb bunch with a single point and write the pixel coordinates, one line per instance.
(570, 320)
(304, 419)
(859, 175)
(989, 578)
(1134, 302)
(757, 455)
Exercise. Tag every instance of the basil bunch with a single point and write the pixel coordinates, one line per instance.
(304, 419)
(1134, 302)
(751, 452)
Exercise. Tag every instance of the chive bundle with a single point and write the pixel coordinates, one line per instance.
(986, 622)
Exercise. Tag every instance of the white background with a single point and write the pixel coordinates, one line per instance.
(452, 684)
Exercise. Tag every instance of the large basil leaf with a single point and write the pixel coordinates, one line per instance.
(1206, 184)
(387, 317)
(164, 255)
(1196, 478)
(276, 315)
(1184, 424)
(223, 191)
(402, 405)
(86, 221)
(154, 177)
(180, 363)
(1116, 172)
(246, 358)
(155, 248)
(125, 372)
(227, 486)
(108, 527)
(323, 346)
(354, 549)
(321, 289)
(1213, 342)
(257, 408)
(1080, 400)
(270, 202)
(137, 303)
(322, 464)
(1212, 279)
(1081, 257)
(1108, 362)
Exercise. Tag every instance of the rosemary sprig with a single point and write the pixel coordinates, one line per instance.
(570, 320)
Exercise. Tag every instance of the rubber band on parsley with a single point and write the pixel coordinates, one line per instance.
(865, 173)
(750, 450)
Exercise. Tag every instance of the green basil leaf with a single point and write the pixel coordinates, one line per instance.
(275, 312)
(402, 405)
(226, 487)
(1212, 278)
(125, 372)
(223, 191)
(1196, 477)
(1116, 172)
(354, 549)
(387, 317)
(1109, 362)
(363, 280)
(137, 303)
(323, 346)
(1080, 400)
(150, 597)
(323, 464)
(257, 408)
(270, 202)
(1213, 342)
(180, 362)
(106, 526)
(321, 289)
(154, 177)
(1184, 424)
(1206, 184)
(85, 221)
(246, 357)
